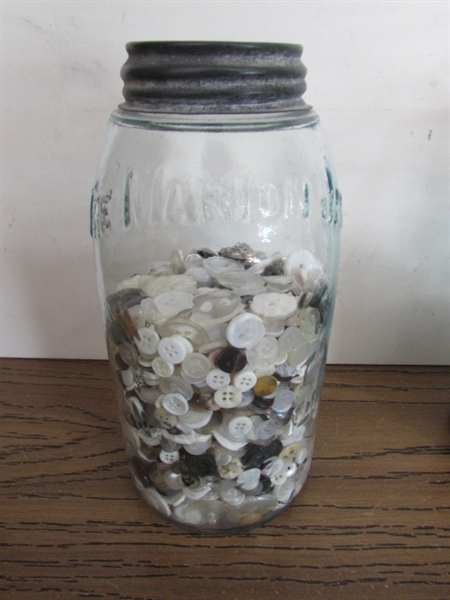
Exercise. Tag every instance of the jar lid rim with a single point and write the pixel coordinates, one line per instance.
(213, 77)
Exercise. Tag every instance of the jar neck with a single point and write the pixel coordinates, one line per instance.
(306, 117)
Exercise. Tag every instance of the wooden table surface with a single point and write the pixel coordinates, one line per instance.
(371, 522)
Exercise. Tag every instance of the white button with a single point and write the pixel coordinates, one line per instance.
(156, 285)
(198, 490)
(148, 340)
(189, 330)
(192, 260)
(291, 469)
(303, 266)
(242, 282)
(196, 418)
(279, 478)
(275, 327)
(173, 349)
(239, 425)
(284, 491)
(170, 304)
(217, 265)
(228, 397)
(127, 377)
(216, 379)
(248, 480)
(232, 496)
(169, 458)
(161, 367)
(283, 400)
(149, 313)
(227, 443)
(215, 307)
(273, 305)
(245, 330)
(195, 367)
(291, 339)
(177, 385)
(175, 404)
(165, 417)
(267, 348)
(200, 275)
(265, 430)
(273, 466)
(289, 452)
(247, 398)
(197, 448)
(244, 380)
(231, 470)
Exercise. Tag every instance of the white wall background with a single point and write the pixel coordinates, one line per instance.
(379, 78)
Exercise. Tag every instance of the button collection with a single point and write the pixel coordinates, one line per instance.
(220, 357)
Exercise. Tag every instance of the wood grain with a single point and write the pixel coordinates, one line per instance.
(372, 521)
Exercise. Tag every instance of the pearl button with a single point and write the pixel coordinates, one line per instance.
(148, 340)
(195, 367)
(177, 385)
(239, 426)
(274, 305)
(244, 380)
(161, 367)
(245, 330)
(216, 379)
(228, 397)
(174, 349)
(170, 304)
(175, 404)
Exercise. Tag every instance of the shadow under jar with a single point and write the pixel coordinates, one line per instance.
(216, 222)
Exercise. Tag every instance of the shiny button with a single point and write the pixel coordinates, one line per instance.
(165, 417)
(289, 452)
(216, 378)
(244, 380)
(245, 330)
(242, 282)
(217, 266)
(170, 304)
(174, 349)
(176, 384)
(231, 360)
(196, 418)
(273, 305)
(155, 285)
(283, 400)
(232, 496)
(175, 404)
(248, 480)
(189, 330)
(265, 386)
(147, 342)
(162, 367)
(215, 307)
(169, 458)
(228, 397)
(239, 425)
(195, 367)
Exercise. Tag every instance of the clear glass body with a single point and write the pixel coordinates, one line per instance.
(217, 245)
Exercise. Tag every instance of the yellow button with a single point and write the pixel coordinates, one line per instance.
(266, 385)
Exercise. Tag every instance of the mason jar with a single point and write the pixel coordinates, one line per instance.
(216, 220)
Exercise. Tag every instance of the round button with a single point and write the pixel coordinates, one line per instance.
(195, 367)
(177, 385)
(289, 452)
(147, 342)
(228, 397)
(303, 265)
(215, 307)
(192, 260)
(239, 426)
(169, 458)
(162, 367)
(242, 282)
(216, 379)
(267, 348)
(265, 386)
(170, 304)
(279, 478)
(231, 360)
(189, 330)
(165, 417)
(174, 349)
(249, 480)
(274, 305)
(245, 330)
(196, 418)
(217, 266)
(155, 285)
(231, 470)
(244, 380)
(227, 443)
(197, 448)
(265, 430)
(283, 400)
(175, 404)
(232, 496)
(273, 466)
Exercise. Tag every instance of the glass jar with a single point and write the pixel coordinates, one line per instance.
(216, 222)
